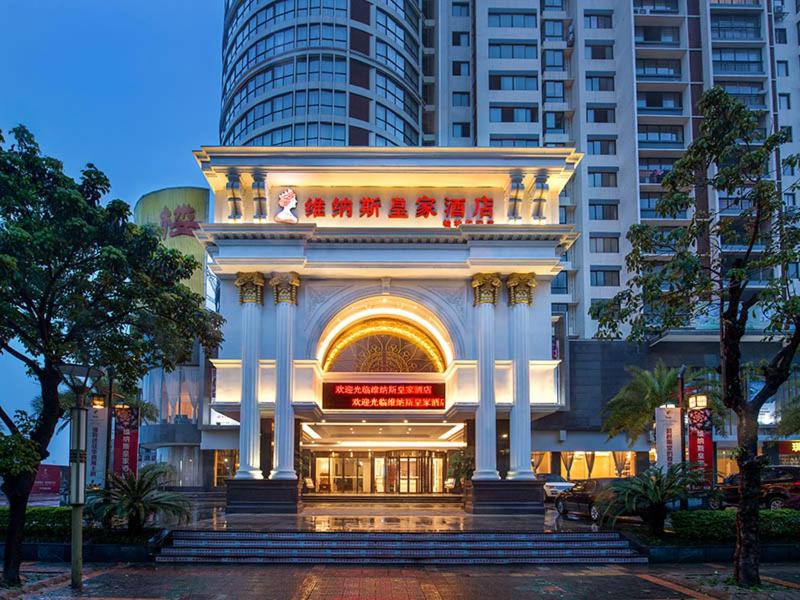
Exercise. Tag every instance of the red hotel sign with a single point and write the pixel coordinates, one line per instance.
(383, 396)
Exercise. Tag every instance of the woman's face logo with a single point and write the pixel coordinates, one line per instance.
(287, 200)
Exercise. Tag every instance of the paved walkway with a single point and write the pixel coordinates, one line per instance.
(702, 581)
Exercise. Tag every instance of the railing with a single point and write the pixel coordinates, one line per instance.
(735, 33)
(748, 3)
(655, 6)
(731, 66)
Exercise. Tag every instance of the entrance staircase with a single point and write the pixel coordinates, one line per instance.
(385, 548)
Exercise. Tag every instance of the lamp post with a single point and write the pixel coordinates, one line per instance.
(681, 409)
(77, 485)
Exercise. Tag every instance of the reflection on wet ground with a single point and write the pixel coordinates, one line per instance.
(375, 516)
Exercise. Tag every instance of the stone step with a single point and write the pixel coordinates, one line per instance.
(396, 552)
(192, 534)
(359, 560)
(460, 544)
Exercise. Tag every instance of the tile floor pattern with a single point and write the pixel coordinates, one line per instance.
(700, 581)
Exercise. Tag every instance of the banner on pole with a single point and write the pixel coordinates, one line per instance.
(126, 439)
(701, 446)
(668, 437)
(98, 438)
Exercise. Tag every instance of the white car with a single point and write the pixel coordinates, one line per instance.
(554, 485)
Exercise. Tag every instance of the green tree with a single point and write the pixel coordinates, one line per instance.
(632, 410)
(138, 498)
(746, 283)
(80, 284)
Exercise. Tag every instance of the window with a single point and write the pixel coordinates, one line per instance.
(737, 60)
(659, 101)
(602, 178)
(666, 36)
(599, 83)
(601, 210)
(460, 38)
(393, 30)
(460, 98)
(512, 50)
(749, 93)
(661, 68)
(784, 102)
(600, 114)
(554, 30)
(554, 91)
(554, 122)
(553, 60)
(514, 141)
(599, 51)
(513, 114)
(505, 19)
(653, 170)
(560, 283)
(460, 9)
(603, 276)
(789, 199)
(513, 81)
(657, 135)
(603, 243)
(597, 21)
(554, 4)
(392, 58)
(601, 146)
(461, 130)
(395, 124)
(780, 36)
(783, 68)
(461, 68)
(390, 90)
(788, 131)
(730, 26)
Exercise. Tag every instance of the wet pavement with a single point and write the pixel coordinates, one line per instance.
(422, 517)
(279, 582)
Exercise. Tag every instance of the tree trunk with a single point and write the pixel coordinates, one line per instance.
(748, 545)
(656, 516)
(17, 490)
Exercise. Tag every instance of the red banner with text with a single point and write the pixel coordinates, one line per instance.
(126, 440)
(701, 446)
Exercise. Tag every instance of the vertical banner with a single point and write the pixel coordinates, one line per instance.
(668, 437)
(126, 439)
(98, 438)
(701, 447)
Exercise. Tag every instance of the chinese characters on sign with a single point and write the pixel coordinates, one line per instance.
(451, 211)
(668, 437)
(97, 432)
(126, 440)
(181, 221)
(384, 396)
(700, 441)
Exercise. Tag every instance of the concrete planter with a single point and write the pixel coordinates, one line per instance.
(60, 551)
(770, 552)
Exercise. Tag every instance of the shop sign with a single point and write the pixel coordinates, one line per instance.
(668, 437)
(790, 447)
(48, 479)
(126, 439)
(98, 438)
(387, 208)
(701, 448)
(383, 396)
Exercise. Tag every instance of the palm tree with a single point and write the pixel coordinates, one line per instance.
(137, 499)
(650, 493)
(632, 410)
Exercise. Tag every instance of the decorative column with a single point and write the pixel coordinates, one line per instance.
(485, 287)
(284, 286)
(251, 297)
(520, 298)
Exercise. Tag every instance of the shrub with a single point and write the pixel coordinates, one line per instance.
(42, 523)
(720, 525)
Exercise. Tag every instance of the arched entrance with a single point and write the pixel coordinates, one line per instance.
(384, 363)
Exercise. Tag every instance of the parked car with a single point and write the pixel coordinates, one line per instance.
(779, 483)
(554, 484)
(582, 498)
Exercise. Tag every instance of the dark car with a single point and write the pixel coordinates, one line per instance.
(582, 498)
(779, 483)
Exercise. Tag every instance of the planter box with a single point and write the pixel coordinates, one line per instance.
(61, 551)
(770, 552)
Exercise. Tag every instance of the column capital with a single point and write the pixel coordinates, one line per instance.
(485, 287)
(520, 288)
(251, 287)
(284, 287)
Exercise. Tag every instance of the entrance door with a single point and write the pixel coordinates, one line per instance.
(409, 475)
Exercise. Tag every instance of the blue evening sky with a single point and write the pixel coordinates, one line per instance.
(130, 85)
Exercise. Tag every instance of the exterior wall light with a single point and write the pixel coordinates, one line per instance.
(234, 199)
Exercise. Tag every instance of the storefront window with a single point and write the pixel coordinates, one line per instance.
(226, 462)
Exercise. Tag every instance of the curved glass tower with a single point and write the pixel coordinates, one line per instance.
(321, 73)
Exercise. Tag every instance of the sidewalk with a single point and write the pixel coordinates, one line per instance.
(702, 581)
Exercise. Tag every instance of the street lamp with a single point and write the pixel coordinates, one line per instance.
(698, 401)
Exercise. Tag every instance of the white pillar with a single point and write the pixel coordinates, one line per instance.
(520, 297)
(285, 289)
(485, 288)
(251, 297)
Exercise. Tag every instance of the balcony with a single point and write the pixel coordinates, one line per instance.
(655, 7)
(736, 3)
(737, 34)
(732, 67)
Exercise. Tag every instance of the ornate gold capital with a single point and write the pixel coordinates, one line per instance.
(251, 287)
(284, 287)
(485, 287)
(520, 288)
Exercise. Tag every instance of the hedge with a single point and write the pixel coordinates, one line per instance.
(42, 523)
(720, 525)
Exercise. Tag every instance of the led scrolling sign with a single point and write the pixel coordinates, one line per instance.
(383, 396)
